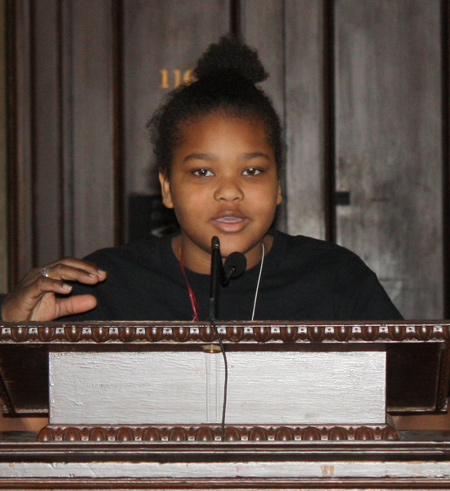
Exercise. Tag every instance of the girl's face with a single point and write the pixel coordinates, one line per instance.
(223, 182)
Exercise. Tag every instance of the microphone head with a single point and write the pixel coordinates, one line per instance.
(235, 265)
(215, 243)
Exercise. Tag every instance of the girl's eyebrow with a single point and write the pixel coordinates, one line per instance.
(254, 155)
(210, 156)
(199, 156)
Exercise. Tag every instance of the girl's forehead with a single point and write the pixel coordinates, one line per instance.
(218, 126)
(223, 134)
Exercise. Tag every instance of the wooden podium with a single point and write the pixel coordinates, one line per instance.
(138, 405)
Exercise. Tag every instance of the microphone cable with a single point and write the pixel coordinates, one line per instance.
(235, 265)
(225, 383)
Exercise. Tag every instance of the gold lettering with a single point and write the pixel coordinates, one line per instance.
(188, 78)
(178, 78)
(164, 79)
(177, 74)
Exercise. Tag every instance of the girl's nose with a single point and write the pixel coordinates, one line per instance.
(228, 189)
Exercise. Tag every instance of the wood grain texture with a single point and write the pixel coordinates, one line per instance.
(161, 43)
(222, 473)
(445, 22)
(187, 388)
(4, 239)
(92, 94)
(388, 145)
(46, 118)
(267, 36)
(67, 137)
(21, 186)
(305, 198)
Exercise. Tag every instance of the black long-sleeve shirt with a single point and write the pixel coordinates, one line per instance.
(302, 279)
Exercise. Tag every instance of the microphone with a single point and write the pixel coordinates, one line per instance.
(235, 265)
(216, 273)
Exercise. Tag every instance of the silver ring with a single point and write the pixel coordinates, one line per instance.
(44, 271)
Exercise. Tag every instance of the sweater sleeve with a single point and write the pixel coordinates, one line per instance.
(360, 296)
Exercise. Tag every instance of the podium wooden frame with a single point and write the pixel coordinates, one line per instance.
(253, 456)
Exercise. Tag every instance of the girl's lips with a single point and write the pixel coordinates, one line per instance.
(229, 219)
(230, 223)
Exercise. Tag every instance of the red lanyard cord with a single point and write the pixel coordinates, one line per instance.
(194, 303)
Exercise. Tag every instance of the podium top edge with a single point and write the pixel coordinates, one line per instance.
(234, 323)
(235, 332)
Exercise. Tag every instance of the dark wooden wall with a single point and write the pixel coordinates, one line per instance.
(3, 158)
(361, 85)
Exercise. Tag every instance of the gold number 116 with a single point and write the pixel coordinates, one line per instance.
(174, 78)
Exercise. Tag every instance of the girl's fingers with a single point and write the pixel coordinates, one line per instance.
(71, 269)
(75, 305)
(34, 298)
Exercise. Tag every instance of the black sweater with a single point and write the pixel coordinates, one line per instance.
(302, 279)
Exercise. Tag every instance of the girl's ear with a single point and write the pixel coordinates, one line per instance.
(165, 190)
(279, 194)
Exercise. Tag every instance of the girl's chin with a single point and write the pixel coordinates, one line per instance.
(229, 243)
(227, 248)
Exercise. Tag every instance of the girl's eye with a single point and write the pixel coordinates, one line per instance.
(202, 172)
(252, 172)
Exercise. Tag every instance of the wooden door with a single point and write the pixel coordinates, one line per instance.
(389, 152)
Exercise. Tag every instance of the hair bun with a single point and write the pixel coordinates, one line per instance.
(233, 57)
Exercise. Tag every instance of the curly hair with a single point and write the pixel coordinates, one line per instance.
(225, 75)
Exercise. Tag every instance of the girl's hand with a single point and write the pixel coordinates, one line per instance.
(35, 297)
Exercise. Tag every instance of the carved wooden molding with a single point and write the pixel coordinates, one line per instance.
(322, 483)
(232, 332)
(212, 433)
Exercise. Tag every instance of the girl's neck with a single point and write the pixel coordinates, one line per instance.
(199, 261)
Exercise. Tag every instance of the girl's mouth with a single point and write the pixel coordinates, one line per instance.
(229, 219)
(230, 223)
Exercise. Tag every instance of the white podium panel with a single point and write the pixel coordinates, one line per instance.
(186, 387)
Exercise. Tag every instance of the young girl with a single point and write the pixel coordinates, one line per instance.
(218, 144)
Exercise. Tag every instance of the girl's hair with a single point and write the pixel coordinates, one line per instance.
(225, 76)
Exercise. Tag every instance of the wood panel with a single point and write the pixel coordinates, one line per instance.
(62, 191)
(92, 93)
(3, 158)
(67, 143)
(289, 37)
(46, 120)
(445, 23)
(20, 141)
(256, 465)
(267, 36)
(287, 387)
(161, 43)
(305, 132)
(389, 145)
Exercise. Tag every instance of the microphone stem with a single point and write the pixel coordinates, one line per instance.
(216, 264)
